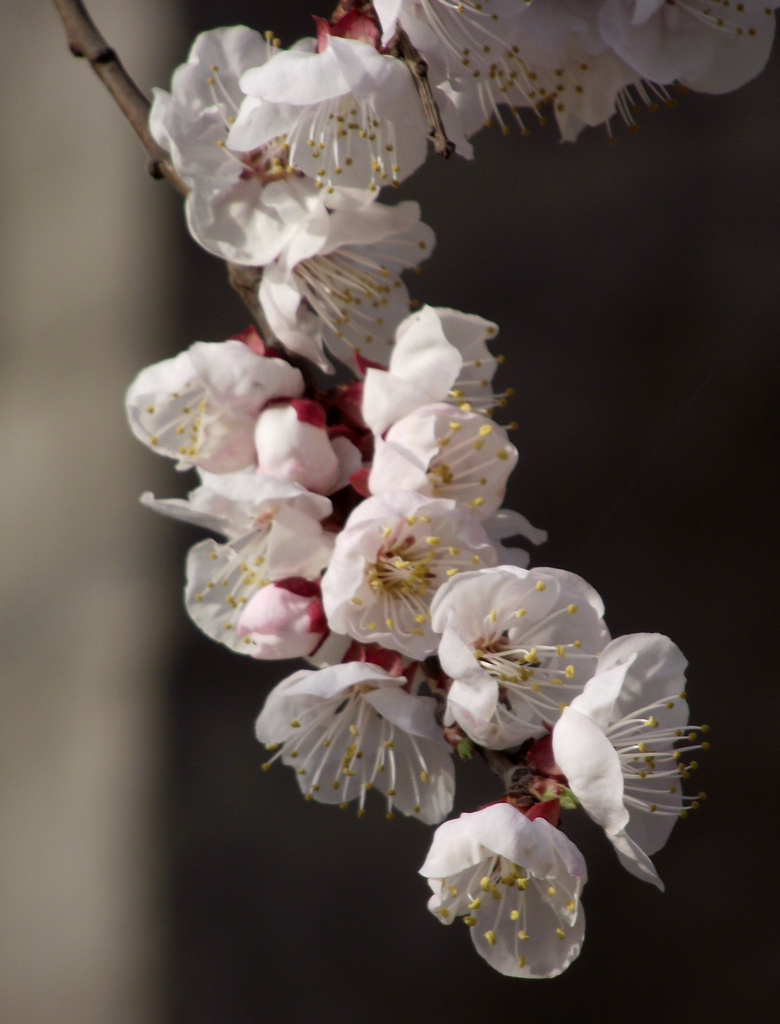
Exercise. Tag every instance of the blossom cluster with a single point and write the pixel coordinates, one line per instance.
(360, 523)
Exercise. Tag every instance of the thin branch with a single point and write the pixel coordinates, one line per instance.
(85, 41)
(419, 71)
(246, 281)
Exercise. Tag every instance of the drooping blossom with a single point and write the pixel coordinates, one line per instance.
(243, 204)
(273, 531)
(617, 745)
(337, 282)
(516, 884)
(395, 551)
(439, 355)
(201, 406)
(355, 726)
(518, 644)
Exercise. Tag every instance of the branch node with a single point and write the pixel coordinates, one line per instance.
(155, 170)
(103, 56)
(418, 68)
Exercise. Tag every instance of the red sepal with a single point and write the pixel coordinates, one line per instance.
(550, 810)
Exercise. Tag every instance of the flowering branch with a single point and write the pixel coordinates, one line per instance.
(361, 524)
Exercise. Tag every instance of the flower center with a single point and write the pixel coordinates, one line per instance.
(401, 571)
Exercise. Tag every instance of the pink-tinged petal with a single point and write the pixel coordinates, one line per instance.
(648, 45)
(280, 622)
(592, 767)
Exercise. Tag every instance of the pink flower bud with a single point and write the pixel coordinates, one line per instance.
(292, 444)
(284, 619)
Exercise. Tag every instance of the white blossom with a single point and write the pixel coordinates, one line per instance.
(616, 744)
(708, 45)
(201, 406)
(440, 355)
(518, 644)
(350, 115)
(337, 282)
(274, 532)
(516, 883)
(355, 727)
(243, 205)
(395, 551)
(445, 453)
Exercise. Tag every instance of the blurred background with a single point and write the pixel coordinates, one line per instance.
(149, 871)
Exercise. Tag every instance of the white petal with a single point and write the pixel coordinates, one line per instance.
(592, 767)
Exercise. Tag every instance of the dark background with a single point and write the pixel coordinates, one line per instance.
(636, 289)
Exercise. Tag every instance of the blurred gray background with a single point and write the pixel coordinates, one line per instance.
(149, 872)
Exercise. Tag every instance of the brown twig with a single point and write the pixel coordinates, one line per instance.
(419, 71)
(246, 281)
(85, 41)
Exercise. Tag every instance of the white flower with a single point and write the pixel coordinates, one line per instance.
(439, 355)
(338, 281)
(445, 453)
(518, 644)
(708, 45)
(616, 746)
(201, 406)
(242, 205)
(516, 883)
(274, 532)
(284, 619)
(395, 551)
(351, 115)
(354, 727)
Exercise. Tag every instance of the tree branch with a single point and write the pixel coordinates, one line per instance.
(419, 71)
(85, 41)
